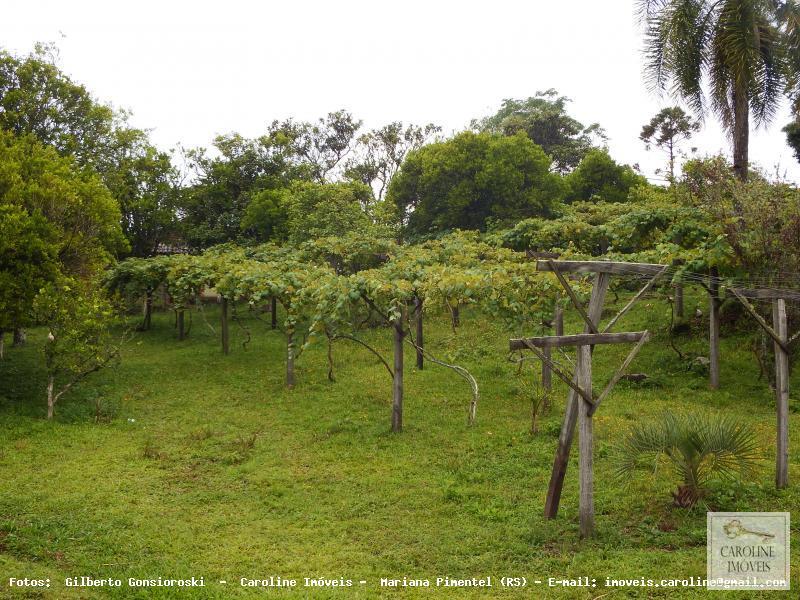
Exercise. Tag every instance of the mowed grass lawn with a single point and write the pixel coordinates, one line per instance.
(204, 465)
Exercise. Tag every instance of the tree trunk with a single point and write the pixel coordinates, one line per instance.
(583, 375)
(148, 311)
(224, 326)
(741, 133)
(181, 325)
(420, 334)
(20, 337)
(51, 398)
(2, 344)
(397, 384)
(456, 316)
(290, 358)
(671, 162)
(713, 335)
(779, 324)
(273, 308)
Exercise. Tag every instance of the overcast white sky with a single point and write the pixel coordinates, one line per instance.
(191, 70)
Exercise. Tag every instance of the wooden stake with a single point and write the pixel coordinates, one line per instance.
(585, 444)
(397, 382)
(713, 338)
(420, 341)
(571, 414)
(290, 358)
(181, 329)
(713, 334)
(547, 374)
(781, 393)
(224, 326)
(679, 312)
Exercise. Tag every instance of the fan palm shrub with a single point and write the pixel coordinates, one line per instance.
(699, 448)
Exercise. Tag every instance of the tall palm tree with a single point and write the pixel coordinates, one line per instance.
(734, 47)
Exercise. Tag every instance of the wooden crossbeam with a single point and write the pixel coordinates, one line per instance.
(766, 294)
(580, 339)
(599, 266)
(571, 293)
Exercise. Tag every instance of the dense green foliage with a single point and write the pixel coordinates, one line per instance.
(38, 99)
(464, 182)
(599, 177)
(545, 121)
(698, 448)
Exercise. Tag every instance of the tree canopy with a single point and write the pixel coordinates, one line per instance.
(545, 121)
(472, 179)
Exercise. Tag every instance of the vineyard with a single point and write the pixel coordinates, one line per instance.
(514, 351)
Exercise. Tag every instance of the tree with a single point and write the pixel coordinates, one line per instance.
(28, 261)
(544, 119)
(383, 151)
(465, 182)
(792, 131)
(78, 341)
(37, 98)
(599, 177)
(83, 216)
(213, 208)
(319, 148)
(265, 217)
(146, 184)
(317, 210)
(734, 47)
(667, 130)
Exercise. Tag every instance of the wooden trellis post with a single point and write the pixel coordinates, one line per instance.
(587, 403)
(602, 270)
(779, 332)
(547, 375)
(223, 325)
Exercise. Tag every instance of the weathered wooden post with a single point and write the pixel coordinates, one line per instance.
(223, 304)
(547, 375)
(779, 332)
(273, 308)
(571, 415)
(591, 317)
(290, 357)
(397, 380)
(581, 384)
(714, 303)
(781, 392)
(679, 311)
(420, 341)
(583, 375)
(148, 310)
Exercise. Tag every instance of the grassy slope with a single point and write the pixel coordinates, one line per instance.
(174, 485)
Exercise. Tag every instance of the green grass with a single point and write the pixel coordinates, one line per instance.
(205, 465)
